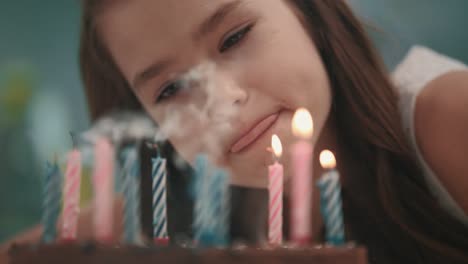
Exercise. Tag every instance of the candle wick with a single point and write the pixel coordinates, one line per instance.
(158, 150)
(73, 139)
(155, 147)
(273, 155)
(275, 158)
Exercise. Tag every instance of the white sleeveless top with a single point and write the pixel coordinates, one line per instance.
(420, 66)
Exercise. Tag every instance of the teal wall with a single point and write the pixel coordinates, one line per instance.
(41, 96)
(440, 25)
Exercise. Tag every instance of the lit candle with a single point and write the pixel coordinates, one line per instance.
(103, 181)
(71, 198)
(130, 184)
(52, 195)
(275, 190)
(158, 173)
(211, 205)
(301, 182)
(330, 199)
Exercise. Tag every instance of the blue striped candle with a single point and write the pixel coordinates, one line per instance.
(211, 205)
(130, 185)
(52, 197)
(330, 200)
(159, 174)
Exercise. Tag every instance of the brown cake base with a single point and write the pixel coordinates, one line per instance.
(91, 254)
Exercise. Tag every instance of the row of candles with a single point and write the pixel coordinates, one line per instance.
(302, 188)
(210, 189)
(106, 170)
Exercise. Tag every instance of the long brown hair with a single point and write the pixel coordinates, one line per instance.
(387, 204)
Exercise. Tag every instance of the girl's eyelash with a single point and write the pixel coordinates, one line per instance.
(173, 88)
(235, 38)
(168, 91)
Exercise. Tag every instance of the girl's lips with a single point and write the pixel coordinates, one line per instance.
(254, 133)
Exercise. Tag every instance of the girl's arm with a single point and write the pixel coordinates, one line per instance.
(441, 128)
(28, 236)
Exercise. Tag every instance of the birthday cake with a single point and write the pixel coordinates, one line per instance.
(90, 254)
(217, 221)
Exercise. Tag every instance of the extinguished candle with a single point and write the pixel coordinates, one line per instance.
(330, 200)
(275, 190)
(301, 181)
(130, 184)
(211, 204)
(159, 174)
(52, 199)
(103, 181)
(71, 199)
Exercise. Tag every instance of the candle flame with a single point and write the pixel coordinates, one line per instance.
(276, 145)
(302, 124)
(327, 159)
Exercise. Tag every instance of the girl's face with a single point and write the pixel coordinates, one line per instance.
(255, 64)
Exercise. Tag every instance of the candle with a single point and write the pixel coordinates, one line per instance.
(275, 190)
(71, 199)
(130, 184)
(330, 199)
(52, 197)
(158, 174)
(301, 182)
(211, 205)
(103, 181)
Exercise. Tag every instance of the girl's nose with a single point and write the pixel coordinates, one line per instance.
(228, 97)
(240, 96)
(232, 91)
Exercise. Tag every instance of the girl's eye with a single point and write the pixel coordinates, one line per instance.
(168, 91)
(235, 38)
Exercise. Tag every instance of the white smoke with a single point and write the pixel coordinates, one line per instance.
(215, 108)
(118, 127)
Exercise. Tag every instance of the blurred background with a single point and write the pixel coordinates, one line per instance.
(41, 99)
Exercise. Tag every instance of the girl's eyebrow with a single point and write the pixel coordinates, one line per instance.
(152, 71)
(212, 22)
(207, 26)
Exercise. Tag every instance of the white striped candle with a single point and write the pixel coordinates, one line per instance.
(130, 184)
(52, 198)
(71, 197)
(159, 175)
(330, 200)
(275, 190)
(211, 204)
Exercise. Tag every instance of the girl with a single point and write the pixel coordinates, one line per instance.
(403, 189)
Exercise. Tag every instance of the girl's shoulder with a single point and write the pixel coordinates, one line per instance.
(434, 104)
(441, 129)
(420, 66)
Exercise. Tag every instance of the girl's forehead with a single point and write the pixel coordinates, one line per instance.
(164, 12)
(168, 20)
(138, 31)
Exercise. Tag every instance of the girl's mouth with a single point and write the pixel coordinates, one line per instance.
(254, 132)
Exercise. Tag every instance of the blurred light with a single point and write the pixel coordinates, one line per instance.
(49, 121)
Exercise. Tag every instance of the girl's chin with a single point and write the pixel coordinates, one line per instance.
(250, 169)
(251, 182)
(255, 181)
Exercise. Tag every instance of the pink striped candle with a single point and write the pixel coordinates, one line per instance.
(103, 181)
(275, 190)
(301, 182)
(71, 197)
